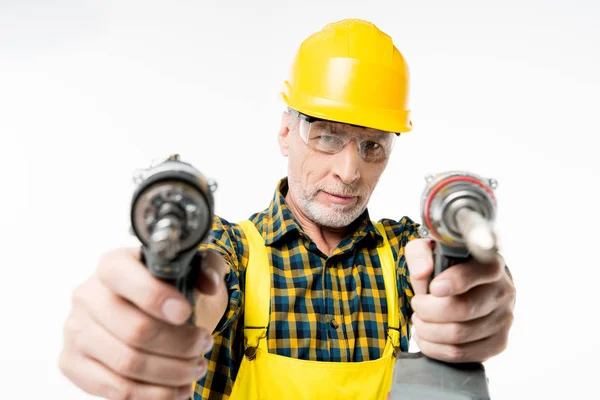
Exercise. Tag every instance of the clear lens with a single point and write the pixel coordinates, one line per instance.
(331, 138)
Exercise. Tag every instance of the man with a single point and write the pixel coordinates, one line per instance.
(308, 298)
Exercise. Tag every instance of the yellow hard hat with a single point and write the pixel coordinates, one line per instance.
(351, 72)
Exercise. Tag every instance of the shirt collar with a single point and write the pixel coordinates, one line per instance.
(280, 220)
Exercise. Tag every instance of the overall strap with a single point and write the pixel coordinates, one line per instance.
(257, 295)
(388, 267)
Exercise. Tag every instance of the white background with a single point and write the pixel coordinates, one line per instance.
(91, 90)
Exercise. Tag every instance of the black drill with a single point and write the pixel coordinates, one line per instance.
(172, 212)
(458, 210)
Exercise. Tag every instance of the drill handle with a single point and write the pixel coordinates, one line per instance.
(189, 264)
(445, 257)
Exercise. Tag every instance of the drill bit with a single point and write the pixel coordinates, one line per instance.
(478, 234)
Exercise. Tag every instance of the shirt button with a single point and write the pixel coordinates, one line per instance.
(334, 324)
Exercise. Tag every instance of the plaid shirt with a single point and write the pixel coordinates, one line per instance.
(322, 308)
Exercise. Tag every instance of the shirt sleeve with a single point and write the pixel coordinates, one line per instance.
(226, 242)
(409, 231)
(224, 357)
(399, 234)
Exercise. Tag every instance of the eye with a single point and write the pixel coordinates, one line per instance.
(373, 151)
(372, 145)
(327, 138)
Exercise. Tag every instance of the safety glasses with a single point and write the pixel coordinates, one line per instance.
(331, 138)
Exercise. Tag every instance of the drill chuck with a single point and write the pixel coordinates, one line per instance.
(171, 214)
(458, 210)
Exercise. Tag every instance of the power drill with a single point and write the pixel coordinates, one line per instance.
(458, 210)
(172, 212)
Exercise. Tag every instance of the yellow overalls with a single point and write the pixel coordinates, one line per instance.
(267, 376)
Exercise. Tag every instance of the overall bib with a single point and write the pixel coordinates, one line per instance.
(266, 376)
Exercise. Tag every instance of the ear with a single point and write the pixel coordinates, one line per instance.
(283, 135)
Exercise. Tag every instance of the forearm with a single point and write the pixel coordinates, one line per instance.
(211, 307)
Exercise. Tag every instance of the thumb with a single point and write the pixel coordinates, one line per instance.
(419, 259)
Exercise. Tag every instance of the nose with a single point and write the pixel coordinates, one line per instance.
(346, 164)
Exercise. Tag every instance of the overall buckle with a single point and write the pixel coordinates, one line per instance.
(250, 353)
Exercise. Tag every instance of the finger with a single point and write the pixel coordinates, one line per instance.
(476, 303)
(463, 332)
(132, 363)
(130, 325)
(461, 278)
(98, 380)
(212, 272)
(123, 273)
(478, 351)
(419, 259)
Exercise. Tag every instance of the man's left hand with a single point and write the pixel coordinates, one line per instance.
(469, 311)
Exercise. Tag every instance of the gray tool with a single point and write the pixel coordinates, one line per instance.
(458, 210)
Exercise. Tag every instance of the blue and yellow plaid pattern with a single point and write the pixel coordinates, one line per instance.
(322, 308)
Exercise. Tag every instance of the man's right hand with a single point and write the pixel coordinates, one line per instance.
(127, 336)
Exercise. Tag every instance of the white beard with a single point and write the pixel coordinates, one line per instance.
(334, 215)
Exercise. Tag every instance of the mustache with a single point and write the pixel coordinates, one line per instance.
(339, 189)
